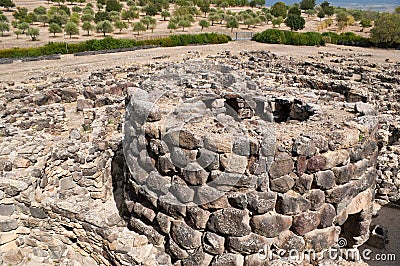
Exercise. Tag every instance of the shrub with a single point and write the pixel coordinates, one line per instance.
(288, 37)
(109, 43)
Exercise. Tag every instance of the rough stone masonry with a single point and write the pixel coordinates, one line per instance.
(221, 169)
(213, 159)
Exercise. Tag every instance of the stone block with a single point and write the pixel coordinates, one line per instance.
(208, 160)
(220, 143)
(320, 239)
(261, 202)
(230, 221)
(185, 236)
(343, 174)
(288, 240)
(282, 184)
(249, 244)
(316, 163)
(197, 216)
(213, 243)
(324, 179)
(194, 174)
(305, 222)
(270, 225)
(282, 165)
(227, 259)
(304, 146)
(233, 163)
(327, 215)
(292, 203)
(335, 158)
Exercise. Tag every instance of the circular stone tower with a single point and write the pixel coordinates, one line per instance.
(221, 169)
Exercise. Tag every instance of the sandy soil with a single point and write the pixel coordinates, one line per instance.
(10, 40)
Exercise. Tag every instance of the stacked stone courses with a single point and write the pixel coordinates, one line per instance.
(216, 178)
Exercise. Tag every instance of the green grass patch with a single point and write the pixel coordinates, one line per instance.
(110, 43)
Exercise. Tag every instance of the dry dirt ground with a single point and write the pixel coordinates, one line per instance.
(10, 40)
(72, 65)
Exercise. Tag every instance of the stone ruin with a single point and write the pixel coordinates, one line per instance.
(224, 171)
(287, 146)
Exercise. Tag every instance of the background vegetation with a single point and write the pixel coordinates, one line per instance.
(86, 18)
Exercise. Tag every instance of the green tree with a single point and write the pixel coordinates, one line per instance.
(71, 28)
(44, 19)
(232, 24)
(20, 14)
(104, 26)
(18, 32)
(327, 8)
(279, 9)
(386, 30)
(165, 14)
(40, 10)
(88, 10)
(294, 10)
(4, 26)
(3, 18)
(172, 26)
(87, 17)
(55, 28)
(365, 23)
(139, 26)
(114, 15)
(75, 18)
(150, 10)
(397, 10)
(184, 24)
(120, 25)
(223, 5)
(307, 4)
(87, 26)
(147, 21)
(269, 17)
(213, 18)
(102, 16)
(321, 14)
(23, 26)
(129, 14)
(204, 24)
(113, 5)
(277, 21)
(310, 12)
(7, 4)
(205, 8)
(249, 22)
(76, 9)
(33, 33)
(295, 22)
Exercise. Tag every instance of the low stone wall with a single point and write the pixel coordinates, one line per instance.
(220, 170)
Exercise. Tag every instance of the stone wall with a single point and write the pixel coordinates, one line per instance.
(220, 170)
